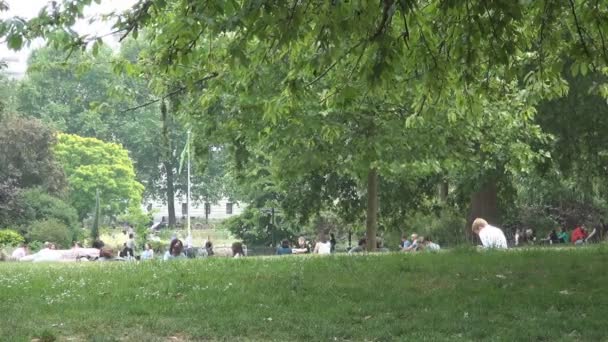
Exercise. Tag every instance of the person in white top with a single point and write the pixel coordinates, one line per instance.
(323, 246)
(490, 236)
(20, 252)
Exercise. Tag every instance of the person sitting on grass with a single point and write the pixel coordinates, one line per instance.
(148, 252)
(405, 242)
(563, 235)
(284, 249)
(323, 246)
(579, 235)
(413, 246)
(20, 252)
(209, 248)
(237, 250)
(551, 238)
(302, 247)
(429, 245)
(591, 235)
(176, 250)
(380, 246)
(360, 246)
(490, 236)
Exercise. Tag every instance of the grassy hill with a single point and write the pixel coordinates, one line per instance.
(541, 294)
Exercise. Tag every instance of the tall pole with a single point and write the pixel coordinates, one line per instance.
(188, 199)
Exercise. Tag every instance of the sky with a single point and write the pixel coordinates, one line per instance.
(17, 61)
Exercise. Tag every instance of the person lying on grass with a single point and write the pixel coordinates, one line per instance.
(490, 236)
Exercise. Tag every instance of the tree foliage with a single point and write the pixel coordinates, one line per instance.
(50, 230)
(26, 158)
(91, 164)
(332, 101)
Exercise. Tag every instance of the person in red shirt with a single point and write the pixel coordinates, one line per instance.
(579, 234)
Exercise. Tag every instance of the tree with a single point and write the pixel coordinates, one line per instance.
(376, 68)
(26, 158)
(7, 95)
(92, 164)
(92, 101)
(168, 158)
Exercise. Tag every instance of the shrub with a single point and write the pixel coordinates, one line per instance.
(35, 246)
(38, 205)
(11, 238)
(51, 230)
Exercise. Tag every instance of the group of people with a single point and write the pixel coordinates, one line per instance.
(417, 243)
(493, 237)
(579, 236)
(49, 252)
(323, 245)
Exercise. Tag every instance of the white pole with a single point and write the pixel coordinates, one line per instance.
(188, 199)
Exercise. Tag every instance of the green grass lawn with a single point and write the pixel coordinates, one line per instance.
(536, 295)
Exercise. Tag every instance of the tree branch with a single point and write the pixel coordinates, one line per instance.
(580, 34)
(599, 30)
(333, 65)
(133, 23)
(172, 93)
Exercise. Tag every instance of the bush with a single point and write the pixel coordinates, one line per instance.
(35, 246)
(38, 205)
(10, 238)
(51, 230)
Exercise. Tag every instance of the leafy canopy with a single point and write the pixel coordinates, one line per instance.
(92, 164)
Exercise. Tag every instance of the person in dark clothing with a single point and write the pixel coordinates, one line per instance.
(284, 249)
(209, 248)
(333, 242)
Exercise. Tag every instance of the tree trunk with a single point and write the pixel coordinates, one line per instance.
(372, 209)
(484, 205)
(168, 163)
(170, 193)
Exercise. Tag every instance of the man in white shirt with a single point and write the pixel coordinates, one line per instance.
(490, 236)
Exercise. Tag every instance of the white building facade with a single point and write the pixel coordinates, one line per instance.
(223, 209)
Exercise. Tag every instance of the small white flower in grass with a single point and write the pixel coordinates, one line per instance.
(501, 276)
(564, 292)
(269, 319)
(466, 315)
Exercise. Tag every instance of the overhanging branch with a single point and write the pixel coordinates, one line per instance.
(172, 93)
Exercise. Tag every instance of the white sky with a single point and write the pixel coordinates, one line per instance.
(17, 61)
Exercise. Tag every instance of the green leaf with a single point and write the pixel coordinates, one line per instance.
(14, 42)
